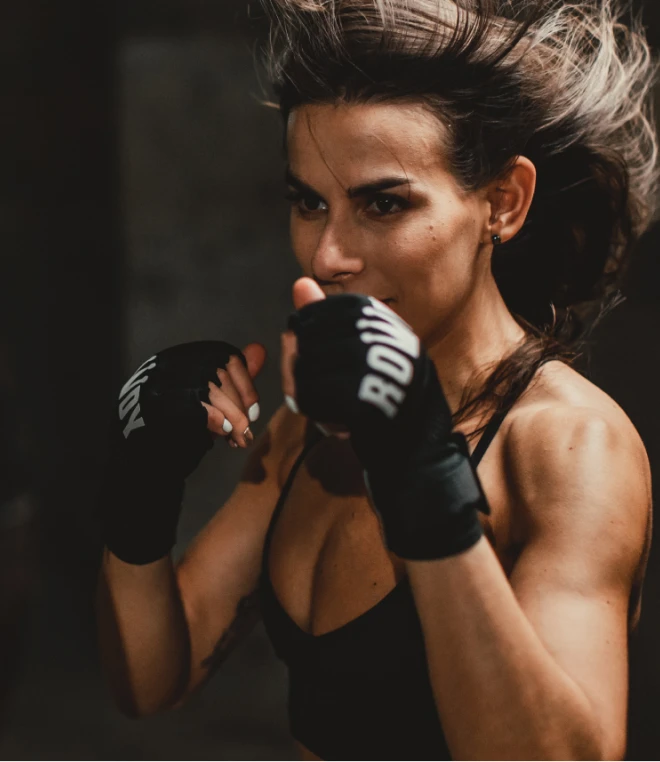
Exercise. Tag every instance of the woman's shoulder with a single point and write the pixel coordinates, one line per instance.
(558, 399)
(571, 450)
(560, 394)
(563, 405)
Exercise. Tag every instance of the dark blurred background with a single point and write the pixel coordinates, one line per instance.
(141, 206)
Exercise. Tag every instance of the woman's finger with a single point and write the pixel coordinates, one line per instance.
(243, 388)
(226, 383)
(255, 356)
(228, 418)
(216, 424)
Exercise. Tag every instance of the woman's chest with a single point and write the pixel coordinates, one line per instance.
(328, 563)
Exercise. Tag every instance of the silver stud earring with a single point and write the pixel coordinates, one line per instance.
(496, 240)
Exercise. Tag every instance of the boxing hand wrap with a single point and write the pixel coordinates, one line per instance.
(429, 510)
(361, 366)
(159, 437)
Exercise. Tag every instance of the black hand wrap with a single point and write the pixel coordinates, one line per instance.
(361, 366)
(159, 437)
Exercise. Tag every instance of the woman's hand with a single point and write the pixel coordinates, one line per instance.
(233, 400)
(305, 291)
(356, 364)
(166, 415)
(351, 363)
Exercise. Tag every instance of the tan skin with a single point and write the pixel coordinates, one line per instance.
(539, 606)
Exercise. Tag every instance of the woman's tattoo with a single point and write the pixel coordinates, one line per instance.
(247, 615)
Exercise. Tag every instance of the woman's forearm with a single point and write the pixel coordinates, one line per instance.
(499, 692)
(143, 634)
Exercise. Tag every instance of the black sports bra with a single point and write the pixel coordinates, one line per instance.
(361, 691)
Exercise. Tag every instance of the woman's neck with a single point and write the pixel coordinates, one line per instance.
(481, 335)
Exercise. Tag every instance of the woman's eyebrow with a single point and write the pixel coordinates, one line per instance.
(359, 190)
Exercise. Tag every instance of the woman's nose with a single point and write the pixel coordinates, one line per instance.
(334, 259)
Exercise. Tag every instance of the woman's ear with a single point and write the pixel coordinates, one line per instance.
(510, 198)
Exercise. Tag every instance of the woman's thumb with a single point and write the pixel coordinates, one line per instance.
(306, 291)
(255, 354)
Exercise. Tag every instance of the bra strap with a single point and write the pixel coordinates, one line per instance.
(313, 436)
(487, 437)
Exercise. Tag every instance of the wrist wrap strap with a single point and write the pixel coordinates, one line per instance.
(141, 511)
(430, 511)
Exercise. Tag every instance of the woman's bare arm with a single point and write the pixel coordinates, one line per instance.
(164, 630)
(535, 667)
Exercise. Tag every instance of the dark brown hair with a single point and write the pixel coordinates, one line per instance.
(565, 84)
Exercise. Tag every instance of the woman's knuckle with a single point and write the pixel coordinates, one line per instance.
(213, 422)
(251, 396)
(242, 422)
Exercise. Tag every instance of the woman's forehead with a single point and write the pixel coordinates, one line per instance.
(355, 137)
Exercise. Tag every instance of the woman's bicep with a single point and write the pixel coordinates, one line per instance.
(586, 503)
(582, 624)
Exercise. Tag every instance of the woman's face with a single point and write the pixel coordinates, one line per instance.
(375, 210)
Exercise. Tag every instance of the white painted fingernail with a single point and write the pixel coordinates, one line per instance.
(254, 412)
(322, 429)
(291, 404)
(227, 427)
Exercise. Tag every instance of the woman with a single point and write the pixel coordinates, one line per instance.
(454, 568)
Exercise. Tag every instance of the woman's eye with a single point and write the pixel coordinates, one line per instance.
(384, 204)
(380, 205)
(306, 203)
